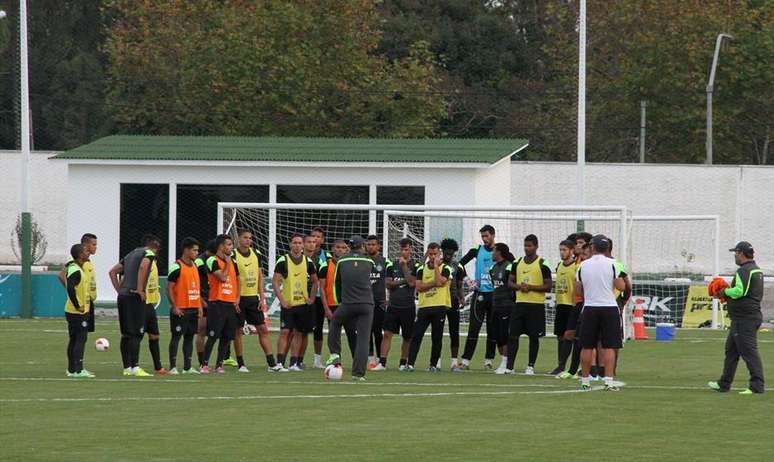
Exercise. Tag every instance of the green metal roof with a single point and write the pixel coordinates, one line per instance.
(295, 149)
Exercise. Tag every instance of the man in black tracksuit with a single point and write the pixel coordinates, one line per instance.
(744, 308)
(352, 288)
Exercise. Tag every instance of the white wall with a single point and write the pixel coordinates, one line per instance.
(88, 202)
(48, 204)
(743, 196)
(99, 186)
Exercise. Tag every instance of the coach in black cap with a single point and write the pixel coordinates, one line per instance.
(744, 308)
(352, 289)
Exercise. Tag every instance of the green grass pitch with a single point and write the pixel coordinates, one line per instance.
(663, 413)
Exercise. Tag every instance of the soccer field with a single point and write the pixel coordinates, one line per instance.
(663, 413)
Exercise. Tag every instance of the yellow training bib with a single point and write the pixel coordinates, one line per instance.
(565, 283)
(81, 290)
(437, 296)
(152, 292)
(295, 287)
(249, 272)
(532, 274)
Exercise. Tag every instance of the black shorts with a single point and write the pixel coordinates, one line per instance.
(91, 316)
(221, 320)
(501, 323)
(250, 311)
(601, 325)
(298, 318)
(561, 319)
(573, 321)
(531, 319)
(400, 320)
(131, 315)
(187, 324)
(319, 319)
(77, 324)
(151, 321)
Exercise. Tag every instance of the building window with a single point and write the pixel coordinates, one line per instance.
(197, 207)
(338, 224)
(144, 209)
(322, 194)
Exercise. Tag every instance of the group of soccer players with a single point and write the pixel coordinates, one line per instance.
(217, 295)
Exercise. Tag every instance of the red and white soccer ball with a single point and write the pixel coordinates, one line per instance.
(102, 344)
(333, 372)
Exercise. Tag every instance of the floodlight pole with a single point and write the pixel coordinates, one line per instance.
(26, 217)
(581, 154)
(710, 88)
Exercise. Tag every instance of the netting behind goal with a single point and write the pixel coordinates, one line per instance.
(550, 225)
(670, 259)
(273, 227)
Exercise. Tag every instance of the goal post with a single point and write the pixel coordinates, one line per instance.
(273, 223)
(669, 258)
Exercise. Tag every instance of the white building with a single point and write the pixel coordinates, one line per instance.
(171, 186)
(121, 187)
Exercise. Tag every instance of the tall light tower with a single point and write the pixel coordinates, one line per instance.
(710, 88)
(581, 154)
(26, 216)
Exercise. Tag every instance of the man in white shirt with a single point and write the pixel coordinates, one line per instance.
(601, 320)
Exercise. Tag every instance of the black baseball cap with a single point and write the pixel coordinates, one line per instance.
(356, 241)
(600, 242)
(744, 247)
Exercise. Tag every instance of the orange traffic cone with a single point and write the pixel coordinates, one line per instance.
(638, 322)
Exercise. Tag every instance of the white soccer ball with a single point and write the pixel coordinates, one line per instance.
(2, 14)
(102, 344)
(333, 372)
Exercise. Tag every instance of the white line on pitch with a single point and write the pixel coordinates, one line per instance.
(282, 397)
(282, 382)
(68, 379)
(317, 384)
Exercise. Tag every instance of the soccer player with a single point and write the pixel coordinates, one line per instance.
(89, 241)
(502, 301)
(565, 282)
(481, 303)
(449, 248)
(433, 281)
(353, 284)
(744, 308)
(223, 306)
(293, 273)
(77, 309)
(373, 250)
(320, 257)
(150, 293)
(201, 266)
(185, 305)
(531, 279)
(596, 279)
(252, 300)
(131, 303)
(327, 277)
(401, 311)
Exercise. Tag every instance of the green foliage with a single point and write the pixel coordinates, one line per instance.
(65, 75)
(267, 68)
(660, 51)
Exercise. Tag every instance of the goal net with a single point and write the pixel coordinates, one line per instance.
(273, 224)
(671, 258)
(550, 224)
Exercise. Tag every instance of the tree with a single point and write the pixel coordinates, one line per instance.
(660, 51)
(66, 74)
(305, 68)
